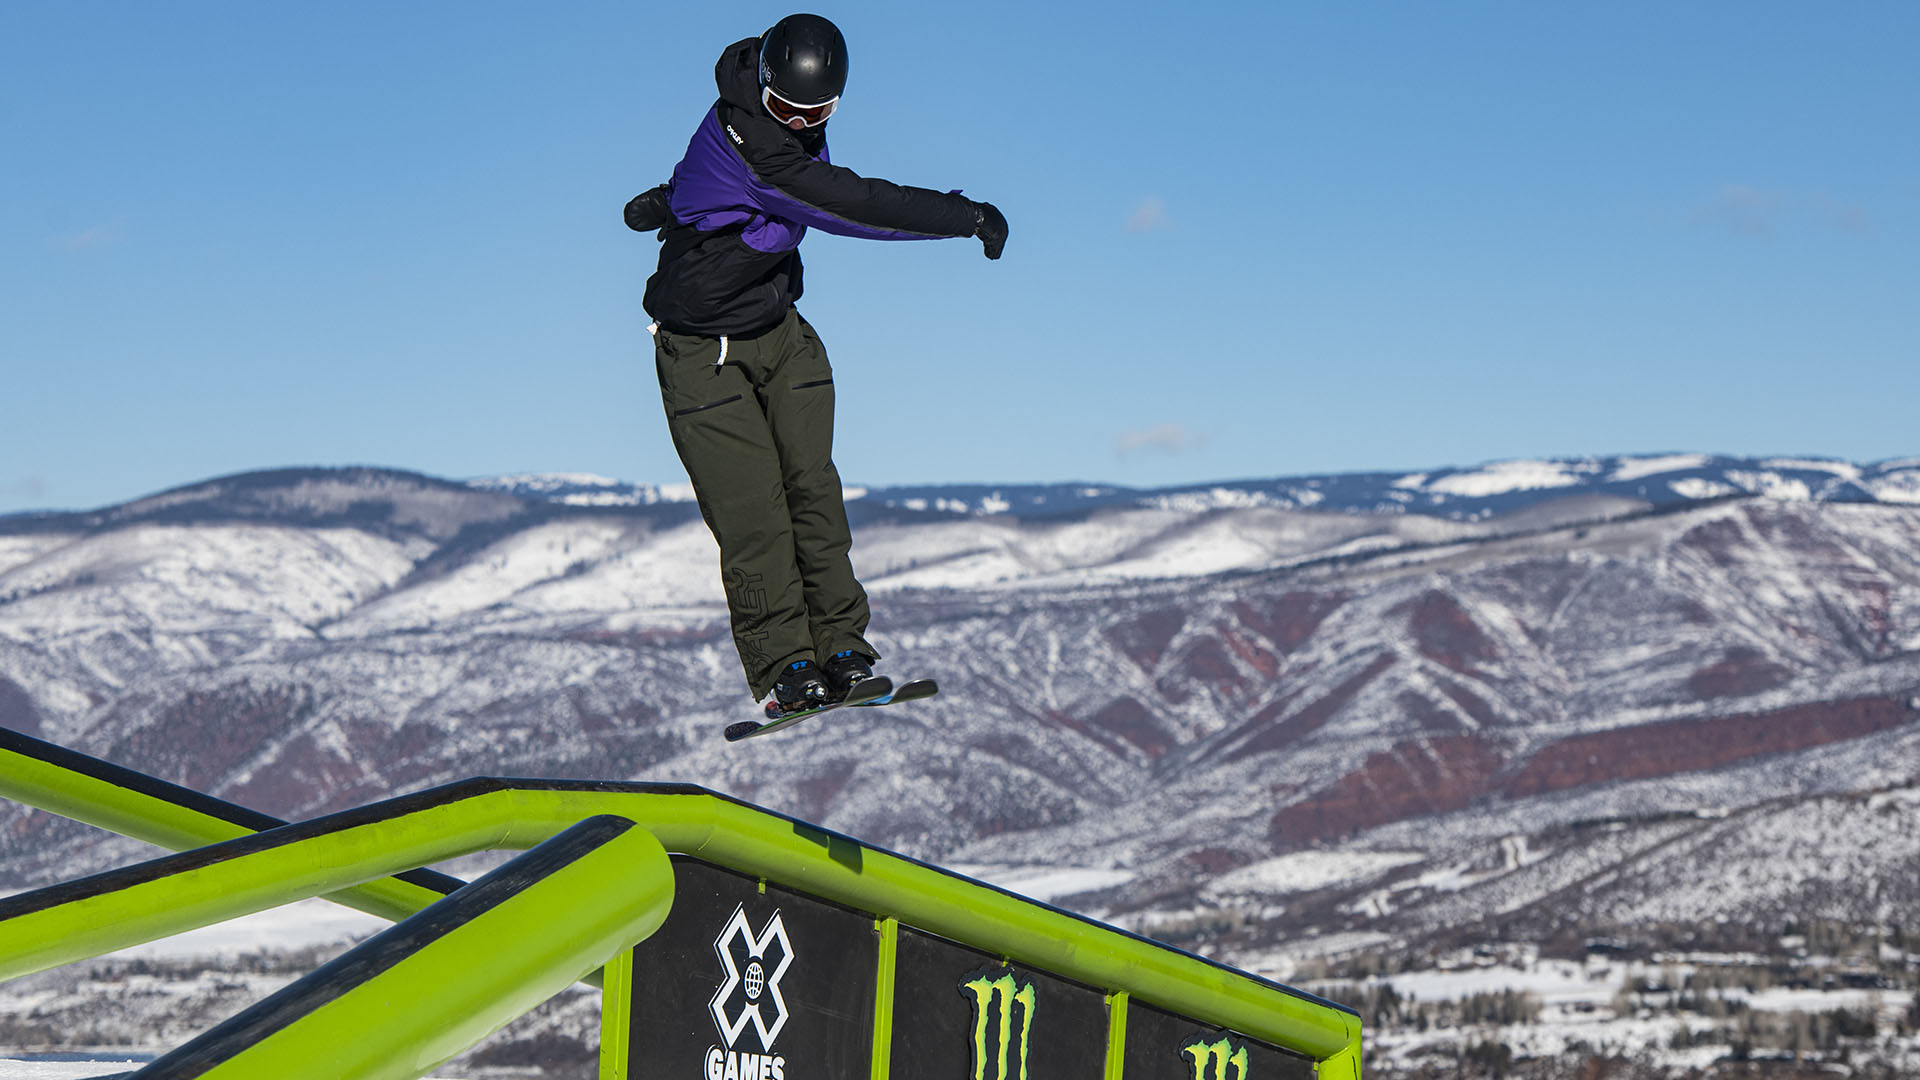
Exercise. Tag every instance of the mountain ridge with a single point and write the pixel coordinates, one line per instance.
(1455, 492)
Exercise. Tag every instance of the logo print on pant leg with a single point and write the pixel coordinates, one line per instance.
(995, 993)
(1211, 1060)
(748, 601)
(751, 991)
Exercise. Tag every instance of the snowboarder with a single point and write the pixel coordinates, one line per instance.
(744, 379)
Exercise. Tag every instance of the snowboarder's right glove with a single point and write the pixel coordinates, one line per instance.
(648, 210)
(990, 225)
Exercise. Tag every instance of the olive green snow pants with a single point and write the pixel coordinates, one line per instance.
(752, 420)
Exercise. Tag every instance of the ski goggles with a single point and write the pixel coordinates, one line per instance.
(787, 112)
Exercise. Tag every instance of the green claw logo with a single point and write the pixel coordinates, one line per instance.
(994, 992)
(1211, 1059)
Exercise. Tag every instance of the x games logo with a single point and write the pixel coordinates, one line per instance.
(751, 991)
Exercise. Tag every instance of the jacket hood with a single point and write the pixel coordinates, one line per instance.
(737, 74)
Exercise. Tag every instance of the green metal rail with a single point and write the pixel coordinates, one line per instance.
(490, 813)
(405, 1001)
(120, 800)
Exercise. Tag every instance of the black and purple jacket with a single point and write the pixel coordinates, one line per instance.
(744, 197)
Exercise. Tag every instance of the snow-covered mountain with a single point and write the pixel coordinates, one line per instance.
(306, 640)
(1289, 737)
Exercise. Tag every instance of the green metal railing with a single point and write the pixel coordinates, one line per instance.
(120, 800)
(410, 998)
(268, 868)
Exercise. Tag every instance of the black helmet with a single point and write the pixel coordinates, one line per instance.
(803, 60)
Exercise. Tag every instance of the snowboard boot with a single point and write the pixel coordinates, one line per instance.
(801, 687)
(844, 669)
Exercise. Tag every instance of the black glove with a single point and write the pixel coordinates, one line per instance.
(648, 210)
(990, 225)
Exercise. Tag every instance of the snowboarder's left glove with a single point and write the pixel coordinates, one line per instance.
(990, 225)
(648, 210)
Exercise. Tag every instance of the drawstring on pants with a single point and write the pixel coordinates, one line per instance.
(653, 328)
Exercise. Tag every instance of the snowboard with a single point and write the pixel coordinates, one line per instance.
(867, 693)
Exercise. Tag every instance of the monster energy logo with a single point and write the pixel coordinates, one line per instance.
(994, 992)
(1211, 1059)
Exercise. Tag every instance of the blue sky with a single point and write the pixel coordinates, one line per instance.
(1247, 239)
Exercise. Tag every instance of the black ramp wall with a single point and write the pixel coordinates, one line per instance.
(747, 980)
